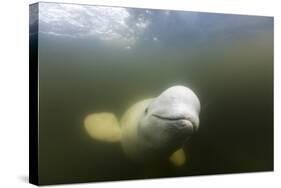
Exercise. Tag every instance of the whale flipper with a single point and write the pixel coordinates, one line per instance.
(103, 127)
(178, 157)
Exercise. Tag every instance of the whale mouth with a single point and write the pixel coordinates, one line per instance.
(176, 118)
(183, 121)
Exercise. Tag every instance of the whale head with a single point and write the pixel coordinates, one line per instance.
(170, 119)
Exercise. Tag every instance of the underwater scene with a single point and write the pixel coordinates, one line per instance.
(129, 93)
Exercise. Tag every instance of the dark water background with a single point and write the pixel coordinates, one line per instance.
(226, 59)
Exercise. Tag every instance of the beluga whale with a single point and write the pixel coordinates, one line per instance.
(152, 129)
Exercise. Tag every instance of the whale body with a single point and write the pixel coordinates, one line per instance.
(152, 129)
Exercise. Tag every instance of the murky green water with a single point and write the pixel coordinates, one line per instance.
(226, 59)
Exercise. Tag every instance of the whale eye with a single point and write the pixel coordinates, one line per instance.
(146, 110)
